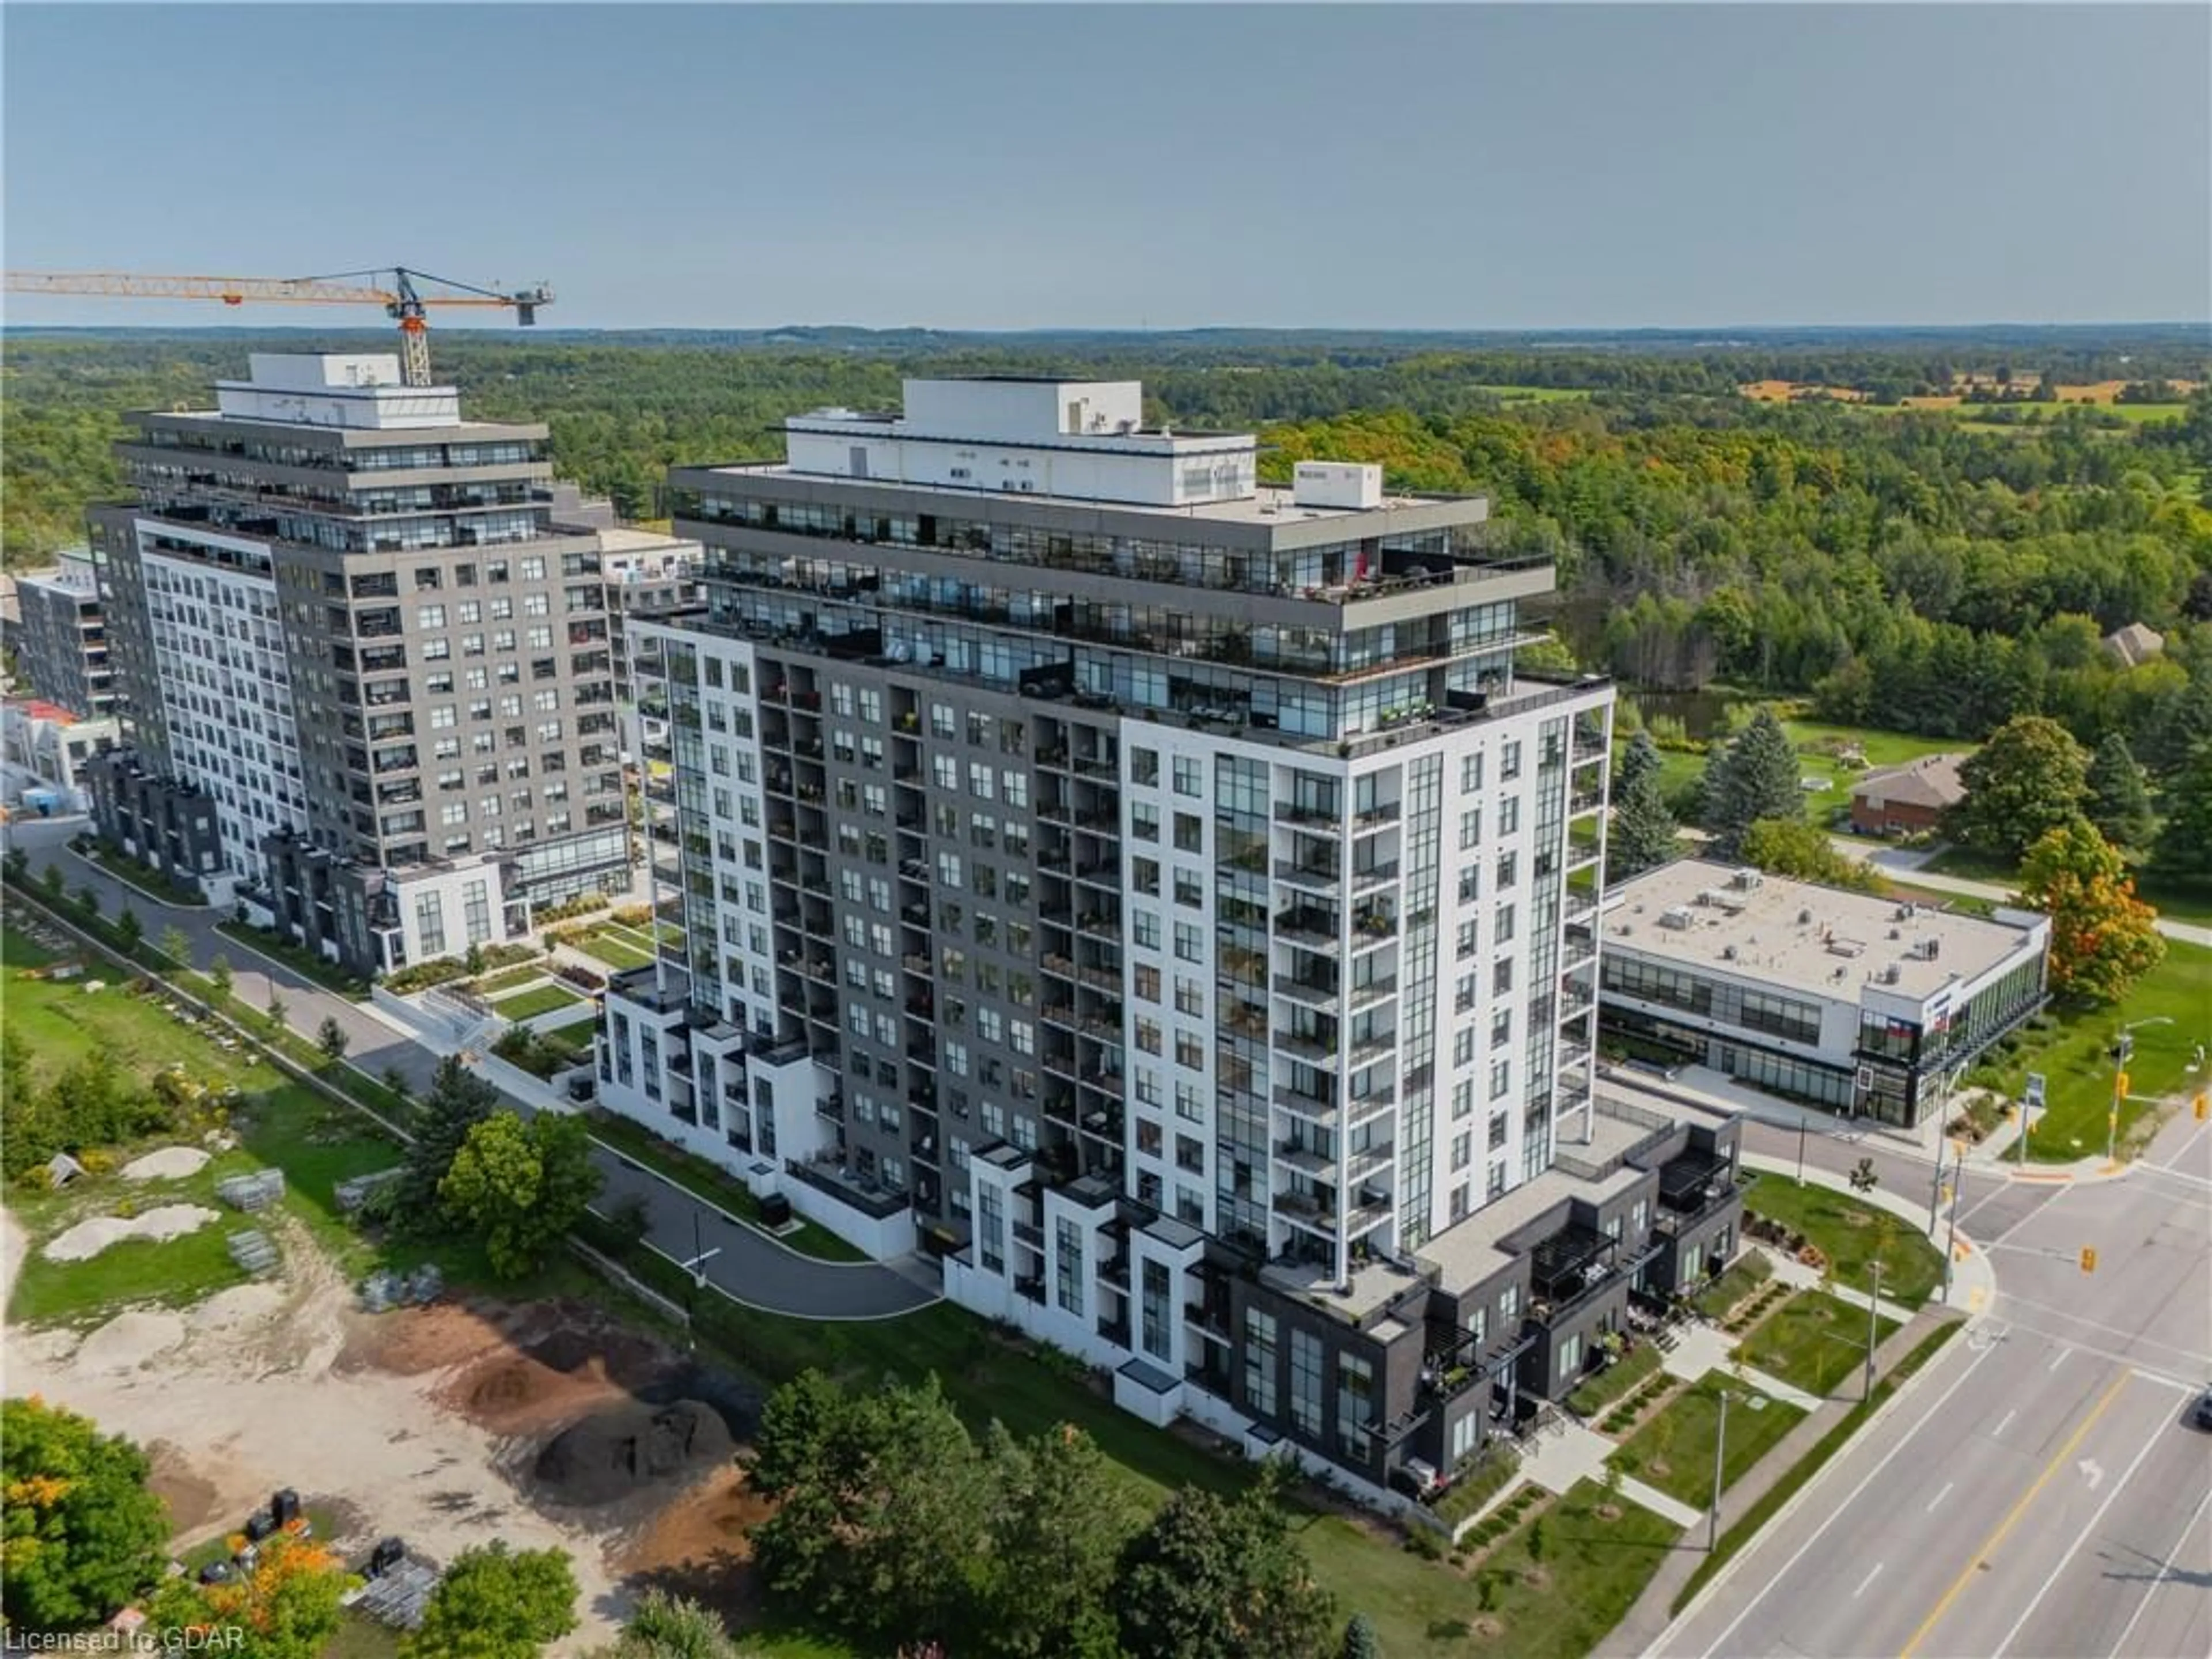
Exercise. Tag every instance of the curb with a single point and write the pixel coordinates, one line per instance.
(1905, 1392)
(146, 893)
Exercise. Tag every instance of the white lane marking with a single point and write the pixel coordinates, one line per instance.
(1868, 1579)
(1835, 1511)
(2175, 1174)
(2129, 1360)
(1939, 1497)
(2143, 1606)
(2185, 1148)
(2059, 1358)
(2055, 1312)
(2081, 1537)
(2002, 1421)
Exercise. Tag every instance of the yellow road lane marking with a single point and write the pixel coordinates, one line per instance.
(2012, 1515)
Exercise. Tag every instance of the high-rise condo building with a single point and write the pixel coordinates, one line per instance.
(366, 670)
(1158, 895)
(60, 636)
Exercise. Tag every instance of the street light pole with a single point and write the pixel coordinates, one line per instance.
(1720, 1455)
(1874, 1324)
(1958, 1196)
(1800, 1146)
(2122, 1051)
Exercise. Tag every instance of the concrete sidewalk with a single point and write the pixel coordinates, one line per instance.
(1647, 1622)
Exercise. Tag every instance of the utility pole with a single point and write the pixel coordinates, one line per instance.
(1958, 1196)
(1720, 1457)
(1873, 1323)
(1800, 1146)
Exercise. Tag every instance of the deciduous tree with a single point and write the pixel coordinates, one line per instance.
(2028, 779)
(83, 1534)
(131, 931)
(330, 1037)
(218, 972)
(2102, 938)
(1212, 1578)
(495, 1602)
(1058, 1524)
(286, 1608)
(521, 1187)
(1754, 777)
(1793, 848)
(177, 945)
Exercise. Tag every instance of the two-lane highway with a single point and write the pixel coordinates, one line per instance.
(2040, 1493)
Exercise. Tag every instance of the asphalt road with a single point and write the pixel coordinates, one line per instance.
(748, 1265)
(2039, 1493)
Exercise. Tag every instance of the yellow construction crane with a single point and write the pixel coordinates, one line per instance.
(402, 301)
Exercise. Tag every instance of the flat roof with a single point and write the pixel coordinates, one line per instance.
(1473, 1250)
(1799, 936)
(1269, 504)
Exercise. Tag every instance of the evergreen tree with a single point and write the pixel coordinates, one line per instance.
(1360, 1641)
(1643, 832)
(2183, 857)
(458, 1100)
(1640, 759)
(2119, 796)
(1754, 778)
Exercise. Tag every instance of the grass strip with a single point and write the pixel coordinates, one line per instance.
(1769, 1503)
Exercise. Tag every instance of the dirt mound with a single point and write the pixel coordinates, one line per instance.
(88, 1238)
(414, 1340)
(624, 1359)
(238, 1307)
(169, 1163)
(616, 1452)
(698, 1546)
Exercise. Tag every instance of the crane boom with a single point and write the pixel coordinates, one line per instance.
(402, 301)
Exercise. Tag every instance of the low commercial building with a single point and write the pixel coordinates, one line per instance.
(47, 750)
(1858, 1004)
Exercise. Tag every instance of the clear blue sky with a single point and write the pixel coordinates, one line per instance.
(1176, 166)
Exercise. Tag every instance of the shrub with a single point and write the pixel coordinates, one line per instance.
(96, 1160)
(1425, 1542)
(37, 1178)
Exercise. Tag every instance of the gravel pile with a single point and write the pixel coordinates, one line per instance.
(130, 1340)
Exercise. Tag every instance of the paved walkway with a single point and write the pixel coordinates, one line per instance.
(1701, 1348)
(1570, 1452)
(752, 1267)
(1909, 865)
(1649, 1619)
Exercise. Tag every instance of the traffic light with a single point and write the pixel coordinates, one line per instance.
(2202, 1105)
(2088, 1258)
(2120, 1086)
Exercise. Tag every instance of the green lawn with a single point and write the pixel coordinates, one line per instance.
(571, 1036)
(62, 1021)
(1615, 1380)
(1815, 1341)
(1850, 1231)
(1555, 1588)
(509, 979)
(1675, 1451)
(1881, 749)
(1970, 866)
(2182, 903)
(541, 999)
(1538, 394)
(614, 946)
(2074, 1059)
(1745, 1275)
